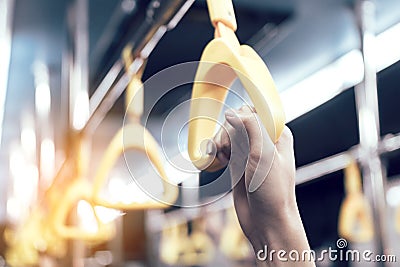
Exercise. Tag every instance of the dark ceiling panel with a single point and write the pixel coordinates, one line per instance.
(326, 130)
(389, 99)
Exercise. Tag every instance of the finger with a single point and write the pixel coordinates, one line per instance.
(241, 203)
(223, 143)
(262, 149)
(248, 123)
(237, 131)
(285, 144)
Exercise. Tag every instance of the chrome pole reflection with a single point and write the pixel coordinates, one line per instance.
(369, 129)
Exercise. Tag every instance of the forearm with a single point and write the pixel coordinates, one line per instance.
(283, 242)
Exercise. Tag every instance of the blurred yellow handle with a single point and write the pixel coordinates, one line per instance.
(80, 190)
(199, 249)
(223, 60)
(172, 243)
(179, 248)
(355, 218)
(133, 137)
(233, 242)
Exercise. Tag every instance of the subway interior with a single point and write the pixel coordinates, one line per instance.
(100, 125)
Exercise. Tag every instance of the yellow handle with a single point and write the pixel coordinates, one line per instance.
(179, 248)
(198, 249)
(355, 218)
(172, 243)
(79, 190)
(222, 11)
(133, 137)
(233, 242)
(222, 61)
(22, 255)
(352, 182)
(32, 238)
(134, 99)
(23, 242)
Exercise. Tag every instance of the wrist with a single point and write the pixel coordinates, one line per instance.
(283, 232)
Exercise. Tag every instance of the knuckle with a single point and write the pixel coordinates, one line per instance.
(255, 155)
(287, 135)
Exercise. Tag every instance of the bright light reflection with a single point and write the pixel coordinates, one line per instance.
(24, 180)
(47, 160)
(25, 184)
(16, 160)
(107, 215)
(120, 190)
(393, 196)
(323, 85)
(342, 74)
(81, 110)
(87, 219)
(43, 99)
(14, 210)
(133, 194)
(388, 44)
(28, 140)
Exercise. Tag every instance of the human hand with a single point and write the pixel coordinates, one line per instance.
(263, 177)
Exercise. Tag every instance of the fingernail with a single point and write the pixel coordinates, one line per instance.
(210, 147)
(230, 113)
(248, 109)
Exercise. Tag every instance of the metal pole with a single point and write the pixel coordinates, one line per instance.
(369, 130)
(6, 19)
(339, 161)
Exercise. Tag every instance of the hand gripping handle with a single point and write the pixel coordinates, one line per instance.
(223, 61)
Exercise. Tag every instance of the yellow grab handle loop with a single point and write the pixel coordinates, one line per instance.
(35, 232)
(172, 243)
(134, 99)
(397, 218)
(179, 248)
(222, 11)
(352, 182)
(133, 137)
(21, 255)
(25, 242)
(222, 61)
(100, 232)
(199, 248)
(355, 218)
(233, 242)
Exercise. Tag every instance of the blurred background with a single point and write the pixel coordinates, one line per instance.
(335, 64)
